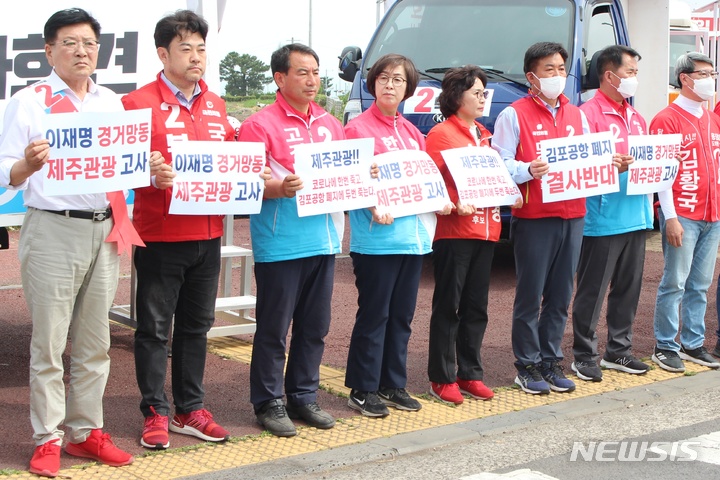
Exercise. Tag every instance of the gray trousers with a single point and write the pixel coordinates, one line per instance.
(616, 261)
(546, 257)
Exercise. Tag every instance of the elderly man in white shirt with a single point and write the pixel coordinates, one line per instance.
(69, 270)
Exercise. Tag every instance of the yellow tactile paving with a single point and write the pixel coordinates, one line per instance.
(262, 448)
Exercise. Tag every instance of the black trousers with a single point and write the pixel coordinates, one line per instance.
(387, 293)
(616, 261)
(459, 308)
(180, 280)
(297, 291)
(546, 257)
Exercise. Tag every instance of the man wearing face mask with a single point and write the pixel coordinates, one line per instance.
(546, 236)
(613, 247)
(689, 218)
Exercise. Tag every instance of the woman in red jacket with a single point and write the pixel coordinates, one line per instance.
(463, 249)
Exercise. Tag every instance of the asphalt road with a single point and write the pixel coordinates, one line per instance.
(227, 383)
(539, 442)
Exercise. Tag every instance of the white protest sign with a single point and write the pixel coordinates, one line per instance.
(655, 166)
(580, 166)
(217, 178)
(335, 175)
(126, 59)
(480, 176)
(409, 183)
(96, 152)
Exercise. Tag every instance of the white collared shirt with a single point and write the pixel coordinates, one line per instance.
(506, 138)
(23, 123)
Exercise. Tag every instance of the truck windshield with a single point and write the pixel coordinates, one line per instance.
(494, 34)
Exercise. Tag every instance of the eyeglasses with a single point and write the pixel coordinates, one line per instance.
(481, 93)
(89, 45)
(396, 81)
(705, 73)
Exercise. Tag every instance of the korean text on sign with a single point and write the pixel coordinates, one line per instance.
(409, 183)
(335, 175)
(481, 177)
(96, 152)
(217, 178)
(656, 163)
(580, 166)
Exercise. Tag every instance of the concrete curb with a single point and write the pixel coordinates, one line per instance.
(388, 448)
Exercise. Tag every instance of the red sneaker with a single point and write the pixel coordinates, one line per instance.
(155, 432)
(446, 392)
(46, 459)
(476, 389)
(98, 446)
(199, 424)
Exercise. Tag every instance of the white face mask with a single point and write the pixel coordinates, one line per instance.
(552, 87)
(628, 86)
(704, 88)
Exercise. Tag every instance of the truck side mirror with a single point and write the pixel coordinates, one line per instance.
(348, 66)
(590, 81)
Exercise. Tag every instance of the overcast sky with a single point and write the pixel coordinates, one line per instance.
(260, 27)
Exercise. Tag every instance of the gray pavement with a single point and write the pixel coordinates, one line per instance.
(538, 439)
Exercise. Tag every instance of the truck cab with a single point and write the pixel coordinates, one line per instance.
(493, 34)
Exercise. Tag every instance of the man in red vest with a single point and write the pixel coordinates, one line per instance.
(546, 236)
(178, 269)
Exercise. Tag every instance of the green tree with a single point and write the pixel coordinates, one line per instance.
(326, 85)
(244, 74)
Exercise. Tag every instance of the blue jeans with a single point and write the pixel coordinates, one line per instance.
(686, 278)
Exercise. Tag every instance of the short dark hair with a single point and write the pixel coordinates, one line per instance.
(280, 59)
(64, 18)
(393, 60)
(456, 82)
(611, 58)
(541, 50)
(179, 24)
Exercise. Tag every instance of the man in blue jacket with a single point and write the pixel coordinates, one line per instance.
(613, 248)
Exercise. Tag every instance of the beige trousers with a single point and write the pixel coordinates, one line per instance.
(69, 277)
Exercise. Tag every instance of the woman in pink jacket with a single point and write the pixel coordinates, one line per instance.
(387, 255)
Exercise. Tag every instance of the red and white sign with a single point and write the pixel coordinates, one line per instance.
(335, 175)
(656, 164)
(94, 152)
(409, 183)
(580, 166)
(481, 177)
(217, 178)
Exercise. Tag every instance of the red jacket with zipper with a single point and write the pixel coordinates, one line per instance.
(206, 120)
(484, 224)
